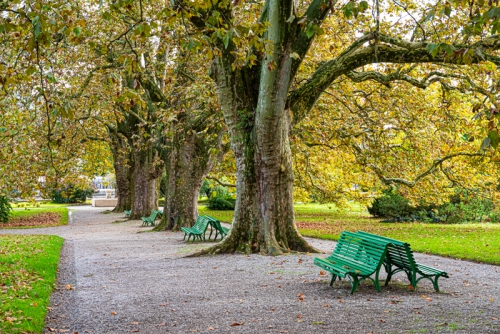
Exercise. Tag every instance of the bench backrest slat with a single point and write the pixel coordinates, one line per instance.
(369, 255)
(398, 252)
(199, 223)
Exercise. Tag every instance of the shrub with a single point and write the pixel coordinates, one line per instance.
(4, 209)
(221, 199)
(219, 203)
(461, 207)
(390, 205)
(71, 194)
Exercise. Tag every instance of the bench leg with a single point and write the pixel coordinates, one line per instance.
(435, 283)
(354, 283)
(389, 276)
(334, 277)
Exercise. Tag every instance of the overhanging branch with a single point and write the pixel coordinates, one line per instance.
(437, 163)
(224, 184)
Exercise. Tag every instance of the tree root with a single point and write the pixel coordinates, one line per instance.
(230, 246)
(161, 227)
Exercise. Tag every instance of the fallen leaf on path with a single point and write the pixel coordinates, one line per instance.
(164, 304)
(299, 316)
(326, 305)
(301, 297)
(322, 273)
(382, 320)
(50, 329)
(134, 330)
(113, 313)
(237, 324)
(492, 300)
(210, 328)
(162, 324)
(69, 287)
(135, 323)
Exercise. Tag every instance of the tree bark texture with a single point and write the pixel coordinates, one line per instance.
(123, 174)
(144, 189)
(188, 162)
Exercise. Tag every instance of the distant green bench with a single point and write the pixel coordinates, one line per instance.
(152, 218)
(127, 213)
(400, 256)
(354, 258)
(217, 227)
(198, 230)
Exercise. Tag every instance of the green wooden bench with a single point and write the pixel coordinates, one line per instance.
(152, 218)
(217, 227)
(355, 258)
(127, 213)
(198, 230)
(400, 258)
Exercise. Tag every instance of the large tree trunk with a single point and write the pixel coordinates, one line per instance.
(253, 102)
(144, 190)
(189, 161)
(264, 217)
(123, 174)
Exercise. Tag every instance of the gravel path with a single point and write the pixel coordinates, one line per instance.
(115, 280)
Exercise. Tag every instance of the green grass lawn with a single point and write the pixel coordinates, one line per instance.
(29, 211)
(28, 266)
(477, 242)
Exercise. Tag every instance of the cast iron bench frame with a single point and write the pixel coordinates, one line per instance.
(217, 226)
(198, 229)
(151, 219)
(400, 256)
(355, 258)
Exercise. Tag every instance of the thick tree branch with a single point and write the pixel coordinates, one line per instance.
(394, 50)
(224, 184)
(423, 83)
(437, 163)
(315, 14)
